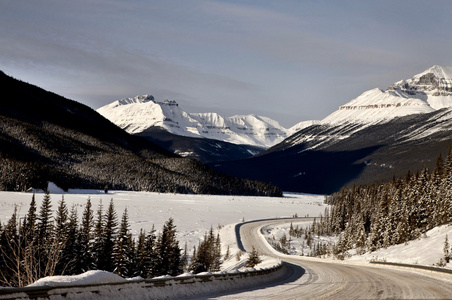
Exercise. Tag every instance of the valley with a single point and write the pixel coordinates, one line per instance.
(379, 135)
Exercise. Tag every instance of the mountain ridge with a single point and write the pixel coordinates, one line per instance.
(137, 114)
(423, 93)
(370, 140)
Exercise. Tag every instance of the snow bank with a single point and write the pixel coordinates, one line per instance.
(427, 250)
(90, 277)
(81, 287)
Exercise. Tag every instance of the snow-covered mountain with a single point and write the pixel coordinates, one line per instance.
(140, 113)
(425, 92)
(371, 138)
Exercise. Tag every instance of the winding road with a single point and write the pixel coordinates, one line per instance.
(313, 279)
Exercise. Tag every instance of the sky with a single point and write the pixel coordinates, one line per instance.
(288, 60)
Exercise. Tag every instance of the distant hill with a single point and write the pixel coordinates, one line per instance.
(376, 136)
(45, 137)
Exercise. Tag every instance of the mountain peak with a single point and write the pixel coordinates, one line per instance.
(136, 99)
(441, 72)
(140, 113)
(423, 93)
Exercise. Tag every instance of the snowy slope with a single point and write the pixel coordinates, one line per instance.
(137, 114)
(425, 92)
(376, 106)
(193, 214)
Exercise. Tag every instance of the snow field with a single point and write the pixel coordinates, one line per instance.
(193, 214)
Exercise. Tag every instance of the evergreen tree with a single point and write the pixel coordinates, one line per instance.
(29, 224)
(253, 259)
(216, 254)
(85, 260)
(69, 255)
(61, 227)
(208, 254)
(168, 251)
(45, 224)
(47, 249)
(151, 257)
(124, 248)
(9, 253)
(184, 258)
(98, 235)
(106, 258)
(139, 268)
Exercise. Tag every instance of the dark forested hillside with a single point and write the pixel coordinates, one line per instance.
(45, 137)
(321, 159)
(369, 217)
(203, 149)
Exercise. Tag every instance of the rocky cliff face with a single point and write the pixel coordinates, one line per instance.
(433, 86)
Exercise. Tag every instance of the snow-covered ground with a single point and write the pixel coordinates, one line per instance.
(193, 214)
(295, 246)
(427, 250)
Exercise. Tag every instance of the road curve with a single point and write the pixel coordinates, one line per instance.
(313, 279)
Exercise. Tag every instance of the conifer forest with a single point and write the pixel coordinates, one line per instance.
(44, 243)
(374, 216)
(366, 218)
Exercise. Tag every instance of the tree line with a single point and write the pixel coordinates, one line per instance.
(41, 245)
(373, 216)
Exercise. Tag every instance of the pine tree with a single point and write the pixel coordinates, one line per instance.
(253, 259)
(139, 268)
(106, 258)
(124, 248)
(45, 225)
(29, 225)
(151, 255)
(9, 253)
(47, 247)
(208, 255)
(85, 260)
(168, 251)
(61, 227)
(69, 255)
(193, 262)
(216, 260)
(98, 235)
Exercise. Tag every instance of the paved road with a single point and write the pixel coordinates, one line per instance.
(312, 279)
